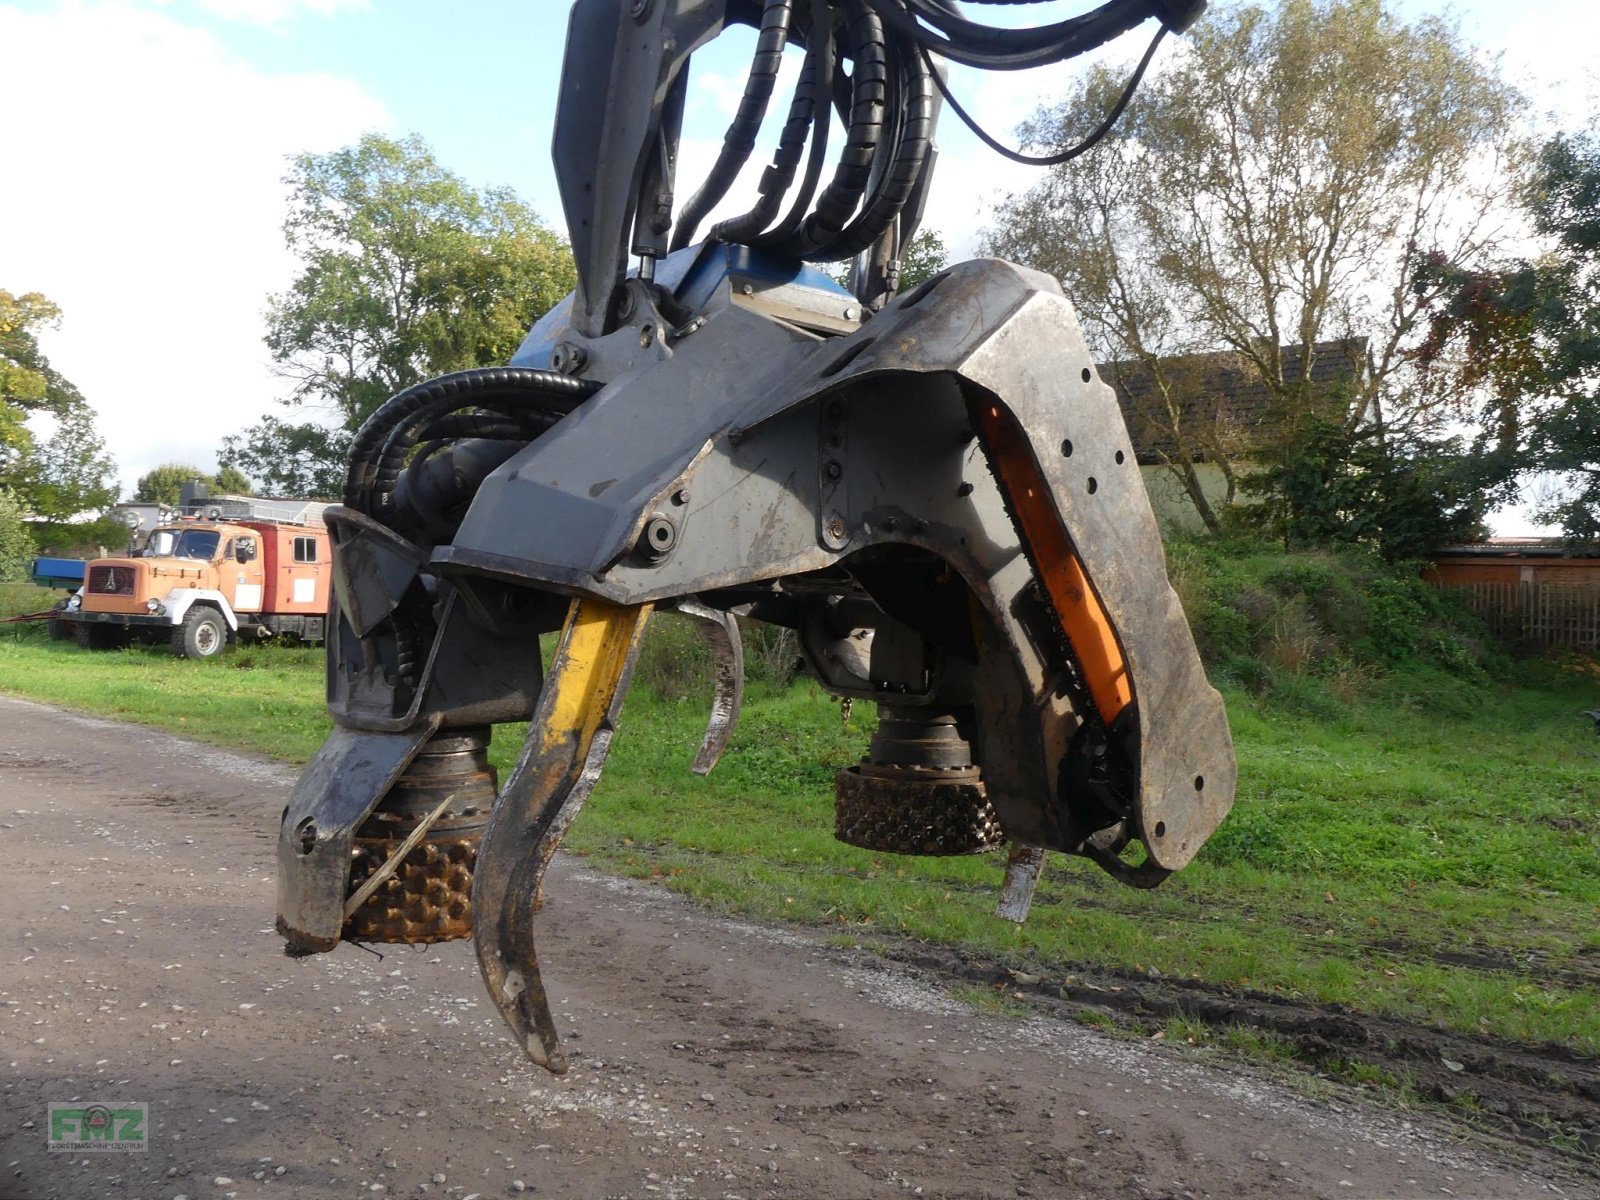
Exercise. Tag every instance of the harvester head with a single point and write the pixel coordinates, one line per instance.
(933, 490)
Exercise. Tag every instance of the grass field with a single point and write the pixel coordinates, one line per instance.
(1428, 852)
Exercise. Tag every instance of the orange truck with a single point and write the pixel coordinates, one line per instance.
(198, 582)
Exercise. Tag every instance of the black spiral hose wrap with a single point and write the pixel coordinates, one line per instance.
(888, 100)
(740, 139)
(386, 438)
(513, 403)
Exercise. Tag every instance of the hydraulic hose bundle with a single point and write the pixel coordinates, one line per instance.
(873, 64)
(468, 423)
(500, 403)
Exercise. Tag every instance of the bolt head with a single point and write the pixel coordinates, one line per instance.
(568, 358)
(658, 539)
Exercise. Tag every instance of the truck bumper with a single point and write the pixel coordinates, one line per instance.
(132, 620)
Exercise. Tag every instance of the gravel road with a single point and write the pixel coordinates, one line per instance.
(710, 1058)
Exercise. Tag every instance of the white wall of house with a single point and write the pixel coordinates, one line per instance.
(1171, 502)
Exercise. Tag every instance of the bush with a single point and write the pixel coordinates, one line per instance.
(675, 660)
(1316, 630)
(1319, 629)
(16, 544)
(770, 652)
(1393, 495)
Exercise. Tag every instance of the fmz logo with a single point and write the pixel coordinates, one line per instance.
(114, 1127)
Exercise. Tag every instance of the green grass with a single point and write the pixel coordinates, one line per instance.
(993, 1001)
(1429, 852)
(264, 698)
(25, 598)
(1438, 870)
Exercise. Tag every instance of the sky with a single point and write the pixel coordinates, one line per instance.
(145, 143)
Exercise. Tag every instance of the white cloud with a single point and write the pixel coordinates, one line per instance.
(276, 12)
(145, 198)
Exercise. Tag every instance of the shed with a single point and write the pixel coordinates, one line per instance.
(1537, 590)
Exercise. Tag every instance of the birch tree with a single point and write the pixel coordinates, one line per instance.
(1263, 195)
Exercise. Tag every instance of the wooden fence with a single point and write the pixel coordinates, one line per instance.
(1546, 614)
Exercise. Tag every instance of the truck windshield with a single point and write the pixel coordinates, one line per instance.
(183, 543)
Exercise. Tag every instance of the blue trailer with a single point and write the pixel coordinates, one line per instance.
(59, 572)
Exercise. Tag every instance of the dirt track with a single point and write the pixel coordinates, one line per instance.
(710, 1058)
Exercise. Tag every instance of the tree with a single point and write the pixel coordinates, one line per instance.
(1526, 331)
(405, 272)
(70, 478)
(924, 257)
(64, 478)
(1399, 496)
(16, 545)
(232, 480)
(164, 484)
(1258, 197)
(28, 386)
(25, 384)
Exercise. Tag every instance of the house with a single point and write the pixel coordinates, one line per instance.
(1187, 412)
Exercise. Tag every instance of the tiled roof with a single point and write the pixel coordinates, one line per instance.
(1219, 389)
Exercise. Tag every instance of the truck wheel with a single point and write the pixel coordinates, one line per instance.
(202, 634)
(60, 630)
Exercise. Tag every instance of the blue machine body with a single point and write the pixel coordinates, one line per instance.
(693, 276)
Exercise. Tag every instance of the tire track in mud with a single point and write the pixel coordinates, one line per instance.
(1543, 1095)
(1582, 970)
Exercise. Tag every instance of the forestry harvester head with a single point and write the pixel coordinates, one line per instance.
(933, 490)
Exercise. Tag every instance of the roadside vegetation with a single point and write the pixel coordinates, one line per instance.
(1414, 834)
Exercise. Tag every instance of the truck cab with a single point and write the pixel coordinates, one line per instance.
(197, 582)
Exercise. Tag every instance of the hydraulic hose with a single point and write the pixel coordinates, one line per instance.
(381, 444)
(512, 400)
(914, 109)
(827, 78)
(868, 111)
(740, 139)
(810, 96)
(940, 29)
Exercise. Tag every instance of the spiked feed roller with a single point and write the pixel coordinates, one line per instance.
(446, 793)
(933, 489)
(917, 791)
